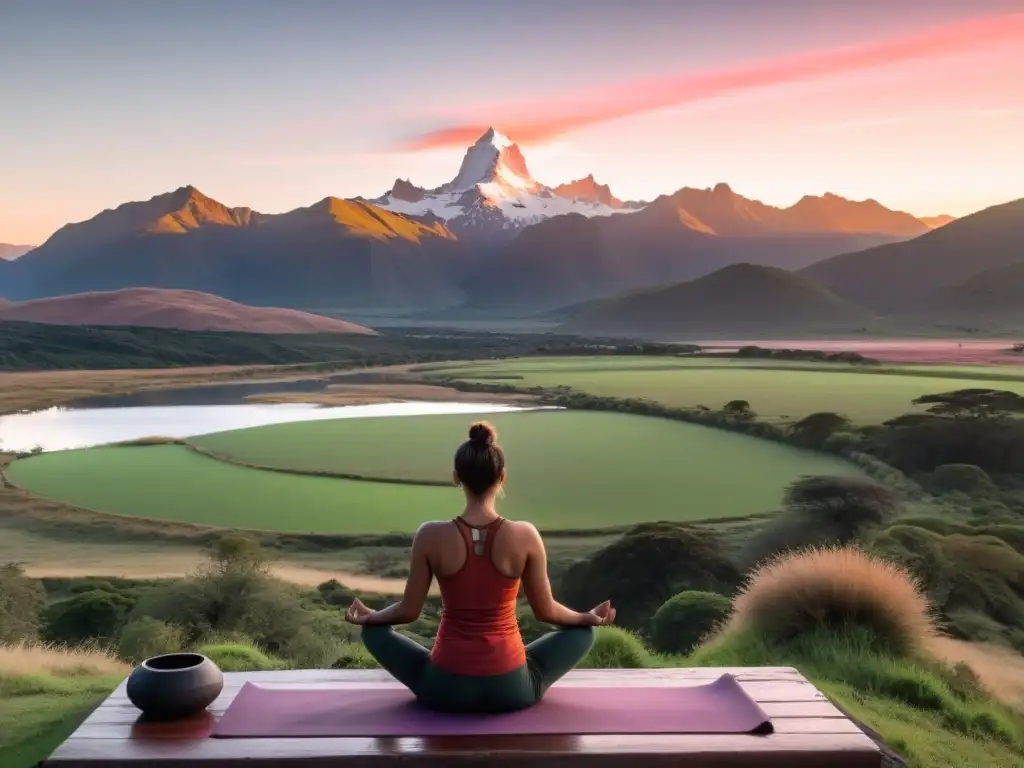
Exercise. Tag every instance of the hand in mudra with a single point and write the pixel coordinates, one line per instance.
(357, 613)
(603, 614)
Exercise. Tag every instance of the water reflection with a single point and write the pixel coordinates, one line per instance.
(211, 394)
(58, 429)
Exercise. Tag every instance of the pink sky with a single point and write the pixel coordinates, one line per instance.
(540, 121)
(918, 104)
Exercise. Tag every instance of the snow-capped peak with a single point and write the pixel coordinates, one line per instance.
(494, 195)
(497, 138)
(493, 159)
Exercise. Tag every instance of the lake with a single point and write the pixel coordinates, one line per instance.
(193, 411)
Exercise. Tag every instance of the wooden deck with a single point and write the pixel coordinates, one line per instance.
(809, 731)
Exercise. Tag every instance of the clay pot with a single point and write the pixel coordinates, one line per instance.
(175, 685)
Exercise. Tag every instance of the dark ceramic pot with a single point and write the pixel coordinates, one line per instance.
(174, 685)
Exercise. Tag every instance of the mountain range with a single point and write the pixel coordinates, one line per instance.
(494, 238)
(966, 276)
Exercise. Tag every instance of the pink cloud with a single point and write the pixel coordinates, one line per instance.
(632, 98)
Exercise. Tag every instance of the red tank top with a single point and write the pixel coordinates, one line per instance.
(478, 634)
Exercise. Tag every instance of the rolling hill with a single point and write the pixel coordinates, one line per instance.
(992, 300)
(182, 310)
(891, 278)
(741, 300)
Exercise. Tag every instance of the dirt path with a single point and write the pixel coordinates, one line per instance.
(162, 569)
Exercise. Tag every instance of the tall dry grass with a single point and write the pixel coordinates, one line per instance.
(58, 661)
(999, 670)
(835, 586)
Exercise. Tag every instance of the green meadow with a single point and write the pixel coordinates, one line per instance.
(774, 389)
(566, 470)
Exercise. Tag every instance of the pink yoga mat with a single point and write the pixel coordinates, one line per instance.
(718, 707)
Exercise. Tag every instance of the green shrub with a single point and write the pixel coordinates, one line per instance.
(146, 637)
(21, 604)
(966, 576)
(644, 568)
(231, 593)
(684, 620)
(354, 656)
(969, 479)
(95, 616)
(616, 648)
(241, 657)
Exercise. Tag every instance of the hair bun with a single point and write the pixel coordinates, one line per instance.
(482, 434)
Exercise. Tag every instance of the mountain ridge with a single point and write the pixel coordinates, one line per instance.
(890, 276)
(741, 300)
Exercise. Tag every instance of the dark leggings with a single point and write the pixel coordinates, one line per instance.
(547, 659)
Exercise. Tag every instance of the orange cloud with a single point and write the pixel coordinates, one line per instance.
(625, 99)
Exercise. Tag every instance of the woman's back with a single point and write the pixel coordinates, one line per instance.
(478, 568)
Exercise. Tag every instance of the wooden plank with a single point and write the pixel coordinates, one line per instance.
(810, 731)
(778, 750)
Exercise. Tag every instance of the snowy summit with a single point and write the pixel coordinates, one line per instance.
(493, 193)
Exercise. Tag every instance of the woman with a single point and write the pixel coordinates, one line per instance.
(478, 662)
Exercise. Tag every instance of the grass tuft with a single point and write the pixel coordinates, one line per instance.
(797, 593)
(241, 657)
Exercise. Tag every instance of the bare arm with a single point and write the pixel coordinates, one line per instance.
(538, 588)
(409, 608)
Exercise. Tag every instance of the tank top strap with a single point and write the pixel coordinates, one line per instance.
(479, 541)
(492, 532)
(465, 531)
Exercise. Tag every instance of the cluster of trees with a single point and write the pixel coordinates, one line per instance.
(655, 349)
(814, 355)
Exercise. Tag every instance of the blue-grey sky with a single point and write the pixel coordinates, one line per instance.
(278, 104)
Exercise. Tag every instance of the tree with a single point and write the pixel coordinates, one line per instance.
(815, 429)
(235, 593)
(685, 619)
(146, 637)
(21, 604)
(848, 503)
(739, 409)
(96, 615)
(973, 403)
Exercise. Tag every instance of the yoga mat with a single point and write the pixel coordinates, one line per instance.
(718, 707)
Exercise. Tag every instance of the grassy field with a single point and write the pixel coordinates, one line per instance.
(774, 389)
(44, 694)
(567, 470)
